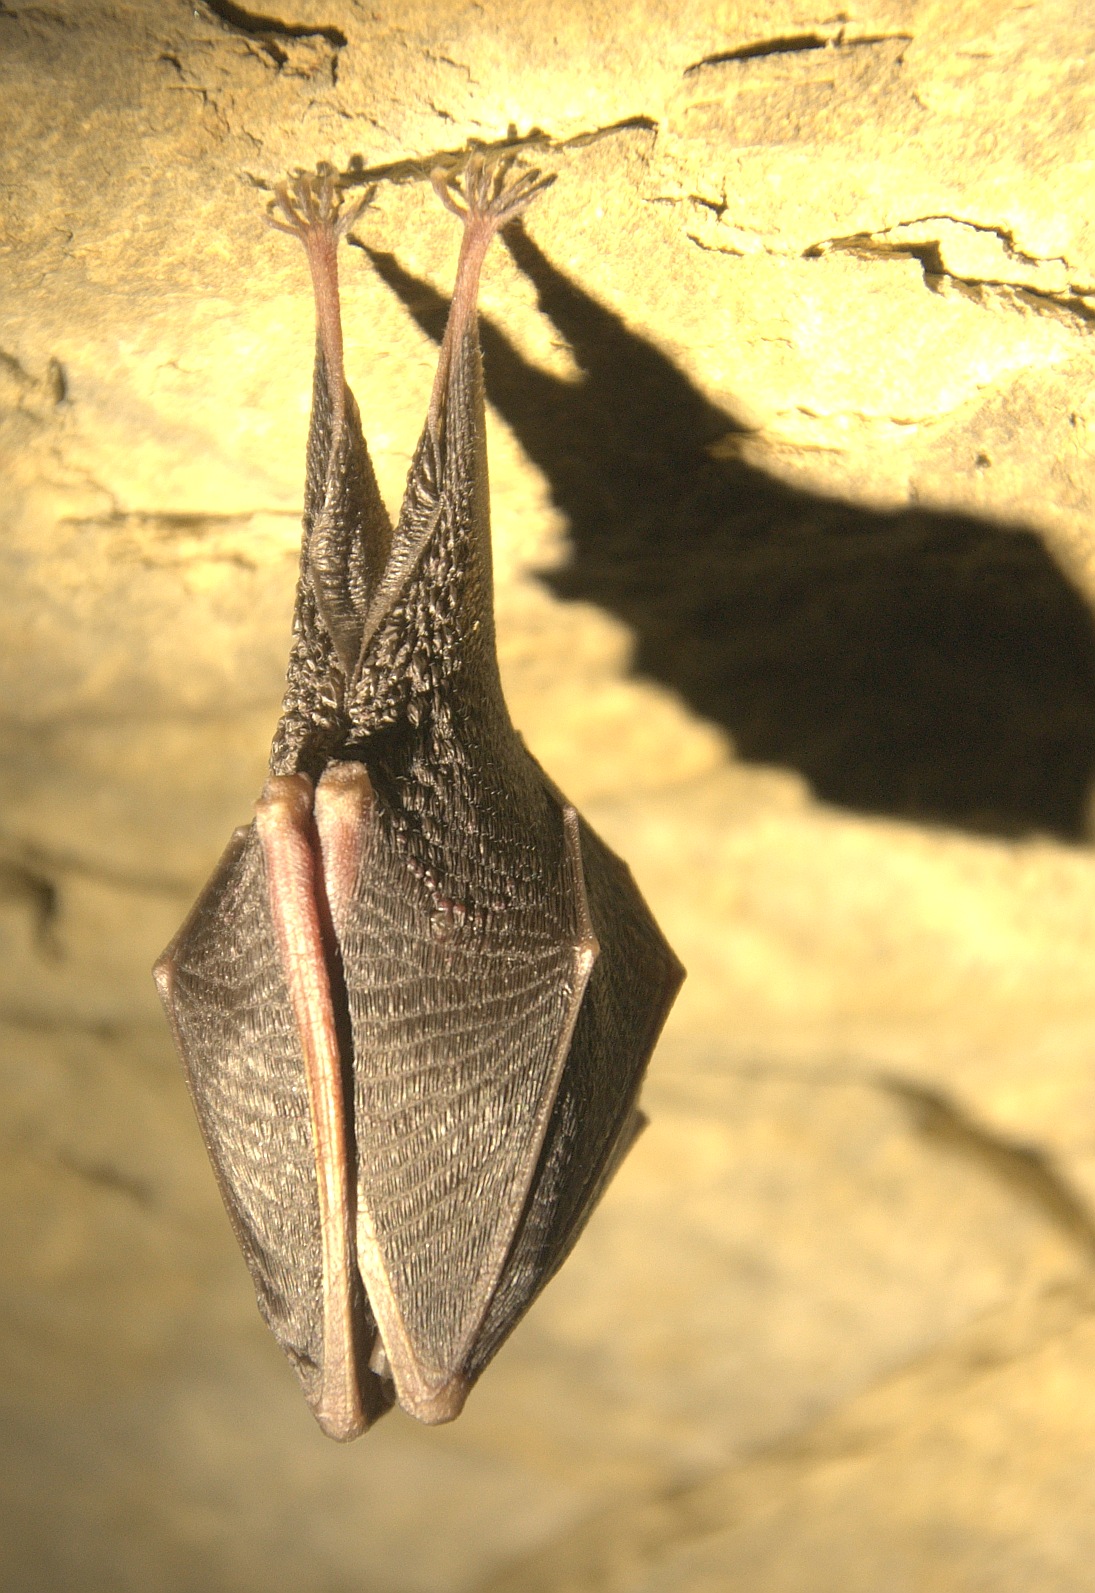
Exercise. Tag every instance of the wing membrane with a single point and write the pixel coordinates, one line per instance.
(226, 996)
(229, 1006)
(594, 1119)
(459, 1046)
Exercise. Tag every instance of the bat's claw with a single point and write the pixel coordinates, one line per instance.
(313, 201)
(483, 192)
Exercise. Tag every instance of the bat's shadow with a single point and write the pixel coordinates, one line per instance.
(930, 665)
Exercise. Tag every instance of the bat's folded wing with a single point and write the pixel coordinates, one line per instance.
(459, 1045)
(595, 1117)
(226, 997)
(484, 1065)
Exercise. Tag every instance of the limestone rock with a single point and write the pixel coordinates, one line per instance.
(792, 399)
(970, 1470)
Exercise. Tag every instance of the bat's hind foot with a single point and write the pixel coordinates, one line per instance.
(312, 202)
(487, 193)
(310, 207)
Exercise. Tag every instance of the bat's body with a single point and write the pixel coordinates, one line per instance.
(416, 1000)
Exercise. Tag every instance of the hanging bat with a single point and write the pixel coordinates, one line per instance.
(416, 1000)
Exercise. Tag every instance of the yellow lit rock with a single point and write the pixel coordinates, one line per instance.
(792, 430)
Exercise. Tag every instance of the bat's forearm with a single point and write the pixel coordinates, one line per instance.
(294, 880)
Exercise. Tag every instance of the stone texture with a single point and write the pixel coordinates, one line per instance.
(971, 1469)
(792, 399)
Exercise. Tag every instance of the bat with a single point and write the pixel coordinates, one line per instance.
(416, 1000)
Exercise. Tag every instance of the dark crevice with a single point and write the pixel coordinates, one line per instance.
(32, 880)
(181, 523)
(54, 385)
(644, 124)
(417, 168)
(1024, 1169)
(869, 246)
(1044, 303)
(53, 1023)
(928, 255)
(15, 370)
(105, 1176)
(36, 891)
(792, 44)
(57, 381)
(866, 246)
(265, 29)
(925, 664)
(1005, 235)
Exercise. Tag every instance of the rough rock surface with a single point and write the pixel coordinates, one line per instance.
(792, 432)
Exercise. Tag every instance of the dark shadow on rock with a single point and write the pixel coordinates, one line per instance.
(929, 665)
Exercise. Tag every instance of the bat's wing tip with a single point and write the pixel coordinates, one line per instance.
(163, 977)
(162, 971)
(439, 1404)
(343, 1429)
(344, 1413)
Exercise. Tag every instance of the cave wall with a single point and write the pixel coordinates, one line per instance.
(792, 388)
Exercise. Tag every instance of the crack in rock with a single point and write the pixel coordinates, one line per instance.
(973, 251)
(953, 251)
(794, 44)
(1026, 1170)
(31, 887)
(106, 1176)
(109, 1033)
(28, 394)
(282, 45)
(29, 875)
(419, 168)
(248, 540)
(256, 25)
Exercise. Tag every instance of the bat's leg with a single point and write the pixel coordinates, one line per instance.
(485, 198)
(347, 529)
(310, 207)
(283, 817)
